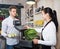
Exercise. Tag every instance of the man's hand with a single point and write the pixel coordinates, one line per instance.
(12, 35)
(35, 41)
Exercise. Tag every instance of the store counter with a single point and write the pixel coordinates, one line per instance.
(25, 44)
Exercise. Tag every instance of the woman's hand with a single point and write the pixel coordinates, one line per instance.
(26, 27)
(35, 41)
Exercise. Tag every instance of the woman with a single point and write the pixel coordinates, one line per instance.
(49, 29)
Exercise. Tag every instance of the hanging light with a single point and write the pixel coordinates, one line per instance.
(30, 2)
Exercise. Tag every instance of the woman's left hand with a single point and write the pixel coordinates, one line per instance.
(35, 41)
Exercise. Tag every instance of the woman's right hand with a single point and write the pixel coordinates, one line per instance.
(35, 41)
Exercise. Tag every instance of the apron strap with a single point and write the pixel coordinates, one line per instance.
(43, 29)
(44, 46)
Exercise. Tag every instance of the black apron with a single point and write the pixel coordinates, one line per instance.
(45, 46)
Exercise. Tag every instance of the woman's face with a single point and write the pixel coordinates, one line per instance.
(44, 15)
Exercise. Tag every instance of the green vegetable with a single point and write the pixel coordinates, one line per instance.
(30, 34)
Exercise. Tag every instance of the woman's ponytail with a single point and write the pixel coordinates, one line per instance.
(54, 19)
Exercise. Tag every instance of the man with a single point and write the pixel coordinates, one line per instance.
(8, 29)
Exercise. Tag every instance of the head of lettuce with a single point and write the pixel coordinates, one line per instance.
(30, 34)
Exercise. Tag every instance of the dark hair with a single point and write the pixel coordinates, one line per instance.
(53, 15)
(12, 7)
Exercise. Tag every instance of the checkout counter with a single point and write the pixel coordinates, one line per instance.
(23, 43)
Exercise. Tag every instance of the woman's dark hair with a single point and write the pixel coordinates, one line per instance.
(53, 15)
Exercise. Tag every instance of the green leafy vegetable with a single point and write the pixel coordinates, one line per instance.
(30, 34)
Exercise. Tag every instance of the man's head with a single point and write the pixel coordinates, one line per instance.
(12, 11)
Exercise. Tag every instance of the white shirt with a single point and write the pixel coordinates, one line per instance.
(8, 27)
(49, 35)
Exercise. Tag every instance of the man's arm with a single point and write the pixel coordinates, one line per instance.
(4, 29)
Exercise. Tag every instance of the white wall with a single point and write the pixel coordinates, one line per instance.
(45, 3)
(23, 21)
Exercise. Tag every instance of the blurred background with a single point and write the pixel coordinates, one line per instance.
(30, 14)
